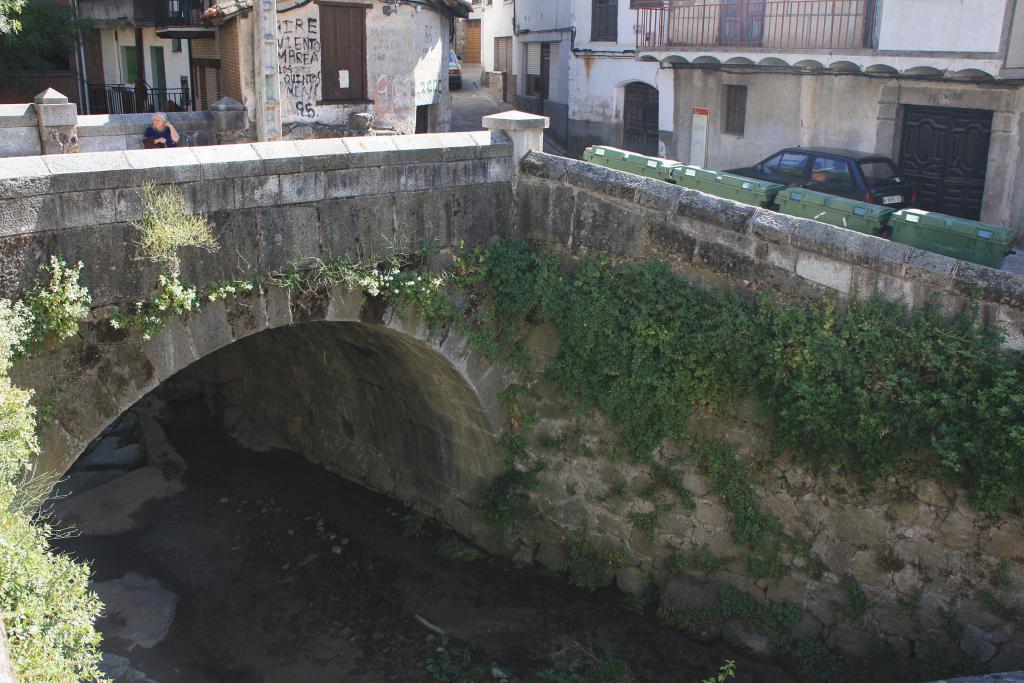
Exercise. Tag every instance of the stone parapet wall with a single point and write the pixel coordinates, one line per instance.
(116, 132)
(586, 208)
(19, 130)
(269, 203)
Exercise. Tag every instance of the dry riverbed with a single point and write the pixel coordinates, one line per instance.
(263, 567)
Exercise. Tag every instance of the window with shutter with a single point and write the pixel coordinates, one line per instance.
(735, 109)
(343, 52)
(604, 20)
(503, 54)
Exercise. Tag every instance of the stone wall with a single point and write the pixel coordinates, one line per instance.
(580, 207)
(941, 579)
(115, 132)
(19, 130)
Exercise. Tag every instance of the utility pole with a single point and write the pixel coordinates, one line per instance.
(268, 79)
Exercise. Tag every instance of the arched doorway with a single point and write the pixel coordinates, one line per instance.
(640, 119)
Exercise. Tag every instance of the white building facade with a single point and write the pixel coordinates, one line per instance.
(138, 55)
(560, 62)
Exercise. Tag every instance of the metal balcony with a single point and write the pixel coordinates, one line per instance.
(135, 98)
(778, 25)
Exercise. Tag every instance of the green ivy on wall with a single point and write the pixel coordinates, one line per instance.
(869, 388)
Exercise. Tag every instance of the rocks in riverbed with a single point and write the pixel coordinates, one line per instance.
(138, 609)
(120, 670)
(109, 509)
(81, 481)
(159, 450)
(110, 454)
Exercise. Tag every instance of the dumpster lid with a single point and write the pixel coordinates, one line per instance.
(959, 226)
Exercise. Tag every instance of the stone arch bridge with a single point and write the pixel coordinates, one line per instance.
(415, 417)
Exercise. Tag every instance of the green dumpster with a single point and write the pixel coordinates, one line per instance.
(827, 208)
(957, 237)
(745, 190)
(623, 160)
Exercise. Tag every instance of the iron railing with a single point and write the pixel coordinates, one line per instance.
(775, 24)
(131, 98)
(181, 12)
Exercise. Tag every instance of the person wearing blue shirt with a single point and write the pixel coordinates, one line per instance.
(161, 133)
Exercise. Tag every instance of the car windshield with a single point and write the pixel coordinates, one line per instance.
(878, 171)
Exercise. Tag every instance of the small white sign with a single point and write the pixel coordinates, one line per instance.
(343, 79)
(699, 137)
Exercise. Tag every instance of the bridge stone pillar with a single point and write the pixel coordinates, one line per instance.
(58, 122)
(525, 130)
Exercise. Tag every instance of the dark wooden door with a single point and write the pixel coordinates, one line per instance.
(945, 151)
(343, 52)
(640, 119)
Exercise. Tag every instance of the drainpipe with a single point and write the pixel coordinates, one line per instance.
(83, 72)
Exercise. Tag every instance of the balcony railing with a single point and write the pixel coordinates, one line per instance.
(129, 98)
(775, 24)
(181, 12)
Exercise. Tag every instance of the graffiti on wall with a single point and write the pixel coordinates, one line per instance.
(298, 58)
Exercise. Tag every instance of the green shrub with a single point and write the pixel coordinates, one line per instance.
(592, 564)
(44, 598)
(868, 388)
(581, 662)
(57, 303)
(167, 226)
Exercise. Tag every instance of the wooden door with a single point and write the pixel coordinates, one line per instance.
(640, 119)
(343, 52)
(473, 42)
(945, 151)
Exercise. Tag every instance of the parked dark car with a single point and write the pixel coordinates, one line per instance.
(454, 71)
(870, 178)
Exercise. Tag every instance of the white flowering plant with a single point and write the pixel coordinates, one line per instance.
(172, 298)
(56, 305)
(225, 289)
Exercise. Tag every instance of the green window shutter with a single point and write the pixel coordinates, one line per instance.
(129, 63)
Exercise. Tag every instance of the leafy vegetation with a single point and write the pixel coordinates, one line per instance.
(758, 531)
(855, 604)
(725, 672)
(56, 304)
(167, 226)
(35, 37)
(871, 388)
(575, 661)
(47, 608)
(592, 564)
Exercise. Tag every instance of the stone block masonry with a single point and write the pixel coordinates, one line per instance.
(579, 207)
(269, 203)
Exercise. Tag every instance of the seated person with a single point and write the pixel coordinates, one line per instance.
(161, 133)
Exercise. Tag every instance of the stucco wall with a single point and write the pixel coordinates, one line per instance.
(406, 63)
(496, 22)
(597, 96)
(942, 25)
(112, 40)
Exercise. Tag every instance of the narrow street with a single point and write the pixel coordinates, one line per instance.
(472, 103)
